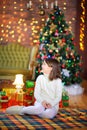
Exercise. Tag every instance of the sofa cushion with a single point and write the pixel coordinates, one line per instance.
(16, 58)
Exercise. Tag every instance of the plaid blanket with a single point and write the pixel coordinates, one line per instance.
(65, 119)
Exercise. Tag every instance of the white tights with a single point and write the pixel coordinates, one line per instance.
(39, 110)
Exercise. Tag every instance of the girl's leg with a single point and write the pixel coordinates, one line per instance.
(33, 110)
(49, 113)
(14, 109)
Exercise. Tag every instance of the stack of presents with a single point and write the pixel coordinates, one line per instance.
(26, 98)
(3, 99)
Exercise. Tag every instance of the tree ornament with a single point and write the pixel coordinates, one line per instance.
(49, 55)
(45, 41)
(45, 56)
(53, 17)
(57, 13)
(67, 49)
(59, 22)
(41, 46)
(56, 34)
(76, 74)
(52, 27)
(38, 56)
(50, 32)
(72, 38)
(65, 72)
(57, 50)
(63, 40)
(43, 38)
(50, 51)
(53, 57)
(63, 65)
(37, 42)
(45, 34)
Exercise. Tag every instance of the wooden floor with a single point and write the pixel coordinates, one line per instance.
(79, 101)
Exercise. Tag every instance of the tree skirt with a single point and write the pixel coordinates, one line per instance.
(74, 89)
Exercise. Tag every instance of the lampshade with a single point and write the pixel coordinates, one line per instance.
(18, 80)
(19, 83)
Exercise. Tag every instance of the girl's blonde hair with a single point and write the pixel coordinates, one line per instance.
(55, 72)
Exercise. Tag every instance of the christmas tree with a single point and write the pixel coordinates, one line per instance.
(57, 41)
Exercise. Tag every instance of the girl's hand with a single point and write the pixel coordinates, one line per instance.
(46, 104)
(49, 105)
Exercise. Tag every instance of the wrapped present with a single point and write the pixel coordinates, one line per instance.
(29, 84)
(4, 104)
(4, 97)
(4, 101)
(27, 99)
(60, 104)
(16, 99)
(12, 102)
(9, 91)
(65, 98)
(28, 90)
(65, 103)
(2, 93)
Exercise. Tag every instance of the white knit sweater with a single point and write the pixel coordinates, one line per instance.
(50, 91)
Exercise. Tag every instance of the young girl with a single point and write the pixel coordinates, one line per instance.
(47, 93)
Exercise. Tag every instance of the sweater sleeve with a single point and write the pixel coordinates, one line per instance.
(58, 95)
(37, 91)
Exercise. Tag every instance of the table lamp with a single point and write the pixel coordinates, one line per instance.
(19, 83)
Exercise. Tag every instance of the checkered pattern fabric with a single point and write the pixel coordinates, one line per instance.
(65, 119)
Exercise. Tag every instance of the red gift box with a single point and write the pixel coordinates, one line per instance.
(4, 104)
(60, 104)
(27, 97)
(27, 100)
(4, 101)
(4, 97)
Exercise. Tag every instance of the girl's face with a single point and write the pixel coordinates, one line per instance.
(45, 68)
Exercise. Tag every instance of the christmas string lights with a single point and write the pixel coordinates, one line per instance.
(82, 25)
(18, 26)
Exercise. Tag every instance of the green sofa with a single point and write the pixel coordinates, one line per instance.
(17, 59)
